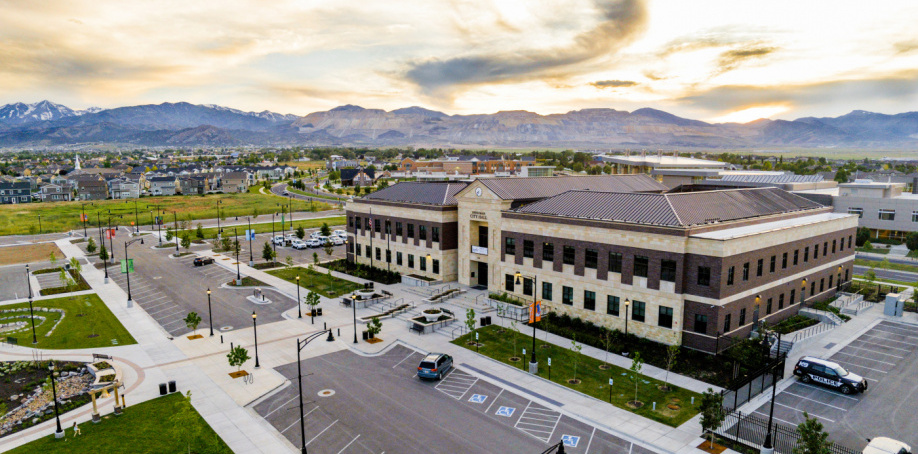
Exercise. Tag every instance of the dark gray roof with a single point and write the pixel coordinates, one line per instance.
(434, 193)
(542, 187)
(782, 178)
(673, 210)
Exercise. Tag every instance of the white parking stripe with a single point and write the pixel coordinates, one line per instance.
(777, 418)
(886, 346)
(152, 306)
(322, 432)
(171, 323)
(890, 340)
(813, 400)
(896, 333)
(874, 351)
(297, 421)
(865, 367)
(828, 392)
(796, 409)
(352, 442)
(868, 359)
(164, 310)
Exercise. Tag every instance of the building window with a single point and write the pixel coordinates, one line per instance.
(567, 295)
(858, 211)
(745, 271)
(771, 265)
(548, 252)
(816, 251)
(812, 289)
(422, 263)
(612, 305)
(668, 270)
(388, 256)
(640, 265)
(589, 300)
(914, 216)
(830, 280)
(378, 253)
(768, 306)
(591, 258)
(704, 275)
(510, 246)
(822, 283)
(410, 260)
(508, 282)
(376, 224)
(350, 221)
(569, 255)
(615, 262)
(796, 256)
(398, 228)
(358, 250)
(398, 258)
(887, 215)
(435, 234)
(759, 267)
(388, 227)
(527, 287)
(780, 301)
(841, 245)
(357, 223)
(665, 319)
(846, 275)
(528, 249)
(637, 311)
(422, 232)
(726, 323)
(825, 248)
(546, 291)
(701, 324)
(793, 297)
(806, 254)
(366, 224)
(849, 241)
(410, 230)
(833, 246)
(730, 273)
(368, 251)
(784, 261)
(742, 317)
(436, 266)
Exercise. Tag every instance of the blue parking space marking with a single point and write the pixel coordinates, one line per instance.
(505, 411)
(478, 398)
(570, 440)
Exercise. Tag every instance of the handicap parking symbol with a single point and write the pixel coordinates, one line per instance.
(505, 411)
(477, 398)
(570, 440)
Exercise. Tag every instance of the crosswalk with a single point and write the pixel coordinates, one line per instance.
(538, 421)
(456, 384)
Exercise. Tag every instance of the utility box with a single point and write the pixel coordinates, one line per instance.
(893, 307)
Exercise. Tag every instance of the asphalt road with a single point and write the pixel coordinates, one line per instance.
(904, 276)
(278, 190)
(886, 356)
(902, 260)
(378, 405)
(13, 280)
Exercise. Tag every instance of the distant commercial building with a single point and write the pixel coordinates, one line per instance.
(646, 163)
(467, 165)
(884, 208)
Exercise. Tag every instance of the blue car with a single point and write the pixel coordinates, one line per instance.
(435, 365)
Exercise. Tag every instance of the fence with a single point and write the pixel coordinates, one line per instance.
(744, 390)
(750, 430)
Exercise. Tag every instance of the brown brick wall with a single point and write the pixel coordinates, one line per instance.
(449, 231)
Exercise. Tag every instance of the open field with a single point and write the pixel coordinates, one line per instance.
(64, 216)
(304, 165)
(265, 227)
(12, 255)
(148, 427)
(87, 324)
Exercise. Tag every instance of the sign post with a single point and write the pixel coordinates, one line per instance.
(610, 390)
(549, 369)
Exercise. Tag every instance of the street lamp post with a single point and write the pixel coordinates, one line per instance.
(273, 243)
(300, 345)
(219, 231)
(354, 306)
(255, 328)
(299, 313)
(158, 222)
(175, 228)
(251, 235)
(83, 217)
(59, 433)
(39, 224)
(31, 314)
(627, 303)
(533, 364)
(127, 269)
(136, 217)
(768, 446)
(803, 292)
(236, 247)
(210, 316)
(282, 217)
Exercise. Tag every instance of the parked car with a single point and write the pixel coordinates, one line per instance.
(435, 365)
(201, 261)
(884, 445)
(340, 233)
(279, 240)
(299, 244)
(286, 192)
(312, 242)
(817, 370)
(336, 240)
(315, 234)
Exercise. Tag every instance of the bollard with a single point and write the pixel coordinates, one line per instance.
(324, 325)
(693, 400)
(654, 406)
(339, 332)
(231, 346)
(221, 338)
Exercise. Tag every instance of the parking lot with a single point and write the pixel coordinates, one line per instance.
(13, 280)
(885, 356)
(356, 404)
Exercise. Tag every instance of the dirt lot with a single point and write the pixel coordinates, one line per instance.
(11, 255)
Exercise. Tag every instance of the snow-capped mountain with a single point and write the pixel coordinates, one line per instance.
(20, 113)
(266, 114)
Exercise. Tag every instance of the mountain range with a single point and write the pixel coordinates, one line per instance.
(184, 124)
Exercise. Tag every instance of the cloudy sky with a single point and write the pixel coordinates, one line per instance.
(716, 60)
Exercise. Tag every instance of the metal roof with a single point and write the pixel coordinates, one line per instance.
(542, 187)
(782, 178)
(673, 210)
(427, 193)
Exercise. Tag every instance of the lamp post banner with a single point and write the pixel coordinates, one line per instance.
(127, 265)
(535, 312)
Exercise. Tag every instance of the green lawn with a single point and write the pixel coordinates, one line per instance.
(874, 250)
(594, 381)
(22, 218)
(886, 265)
(317, 282)
(321, 196)
(87, 324)
(143, 428)
(886, 281)
(266, 226)
(912, 254)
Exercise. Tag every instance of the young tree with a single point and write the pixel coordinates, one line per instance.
(267, 253)
(289, 261)
(185, 422)
(375, 326)
(325, 230)
(169, 234)
(226, 243)
(813, 439)
(186, 241)
(315, 258)
(712, 412)
(575, 349)
(312, 300)
(470, 319)
(862, 235)
(237, 357)
(636, 365)
(53, 259)
(91, 245)
(672, 353)
(192, 320)
(300, 232)
(329, 248)
(514, 328)
(606, 338)
(103, 253)
(199, 232)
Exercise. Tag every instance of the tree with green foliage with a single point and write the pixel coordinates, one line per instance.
(841, 176)
(199, 232)
(672, 353)
(315, 258)
(712, 412)
(329, 248)
(312, 300)
(226, 243)
(862, 235)
(300, 232)
(813, 439)
(356, 189)
(169, 234)
(186, 241)
(470, 319)
(325, 229)
(868, 246)
(103, 253)
(912, 241)
(53, 259)
(575, 357)
(636, 365)
(192, 320)
(267, 252)
(237, 357)
(374, 327)
(91, 245)
(289, 260)
(185, 424)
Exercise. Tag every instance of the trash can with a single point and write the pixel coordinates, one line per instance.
(319, 312)
(172, 386)
(366, 335)
(162, 389)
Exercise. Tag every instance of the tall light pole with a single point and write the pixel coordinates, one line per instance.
(83, 217)
(533, 364)
(175, 228)
(136, 217)
(210, 317)
(300, 345)
(127, 269)
(299, 313)
(59, 433)
(255, 328)
(236, 247)
(273, 243)
(627, 303)
(31, 314)
(219, 231)
(768, 447)
(354, 307)
(251, 235)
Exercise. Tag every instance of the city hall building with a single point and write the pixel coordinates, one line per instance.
(683, 266)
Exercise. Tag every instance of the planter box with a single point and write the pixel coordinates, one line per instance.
(510, 311)
(429, 327)
(416, 282)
